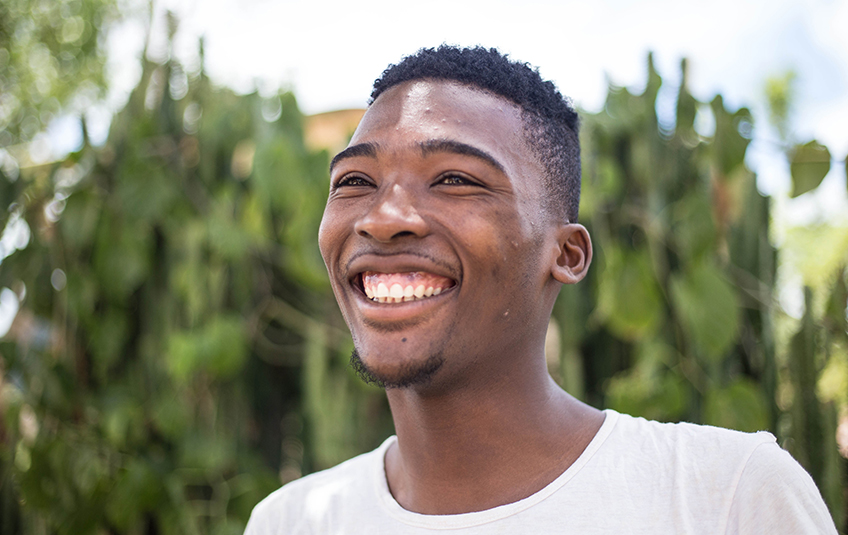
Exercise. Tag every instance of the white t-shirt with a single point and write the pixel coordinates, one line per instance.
(636, 476)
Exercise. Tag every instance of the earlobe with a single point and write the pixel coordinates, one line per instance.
(574, 253)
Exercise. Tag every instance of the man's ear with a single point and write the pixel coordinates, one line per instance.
(574, 253)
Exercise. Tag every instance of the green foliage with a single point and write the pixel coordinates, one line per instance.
(707, 308)
(740, 405)
(809, 164)
(779, 94)
(218, 348)
(629, 299)
(647, 390)
(814, 358)
(672, 213)
(49, 53)
(176, 325)
(676, 322)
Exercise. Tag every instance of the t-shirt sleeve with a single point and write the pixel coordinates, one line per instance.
(776, 495)
(270, 516)
(260, 522)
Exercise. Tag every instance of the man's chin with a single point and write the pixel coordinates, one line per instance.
(408, 375)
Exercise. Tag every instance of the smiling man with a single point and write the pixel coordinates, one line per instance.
(449, 229)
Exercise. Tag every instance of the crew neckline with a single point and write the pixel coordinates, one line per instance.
(477, 518)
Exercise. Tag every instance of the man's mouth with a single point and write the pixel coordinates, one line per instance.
(400, 287)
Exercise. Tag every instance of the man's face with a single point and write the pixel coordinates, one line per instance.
(434, 237)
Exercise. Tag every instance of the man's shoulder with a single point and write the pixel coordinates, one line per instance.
(696, 440)
(700, 478)
(317, 493)
(684, 456)
(332, 480)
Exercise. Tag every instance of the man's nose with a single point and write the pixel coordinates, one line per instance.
(392, 216)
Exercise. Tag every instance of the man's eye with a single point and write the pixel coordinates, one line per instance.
(353, 180)
(456, 180)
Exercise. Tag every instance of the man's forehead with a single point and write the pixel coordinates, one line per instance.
(449, 102)
(433, 115)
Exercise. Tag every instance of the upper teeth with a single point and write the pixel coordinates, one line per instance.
(398, 293)
(402, 286)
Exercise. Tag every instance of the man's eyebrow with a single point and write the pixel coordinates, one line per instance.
(457, 147)
(362, 149)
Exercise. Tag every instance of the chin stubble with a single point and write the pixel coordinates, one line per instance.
(410, 375)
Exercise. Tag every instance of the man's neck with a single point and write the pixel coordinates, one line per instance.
(483, 446)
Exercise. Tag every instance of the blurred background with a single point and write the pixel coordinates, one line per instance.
(170, 350)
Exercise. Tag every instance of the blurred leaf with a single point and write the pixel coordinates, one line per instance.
(693, 229)
(740, 405)
(603, 181)
(109, 334)
(89, 470)
(629, 301)
(662, 398)
(147, 191)
(836, 308)
(254, 219)
(217, 348)
(832, 385)
(642, 164)
(651, 388)
(122, 419)
(809, 165)
(708, 309)
(816, 252)
(729, 145)
(280, 192)
(82, 292)
(807, 423)
(779, 94)
(122, 258)
(136, 491)
(652, 87)
(687, 106)
(226, 237)
(171, 415)
(79, 219)
(207, 453)
(750, 247)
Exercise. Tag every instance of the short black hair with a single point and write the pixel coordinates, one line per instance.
(550, 121)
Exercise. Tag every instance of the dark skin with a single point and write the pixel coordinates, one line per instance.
(438, 178)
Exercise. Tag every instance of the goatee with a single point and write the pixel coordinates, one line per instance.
(409, 375)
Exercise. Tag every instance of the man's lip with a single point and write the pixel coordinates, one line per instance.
(397, 263)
